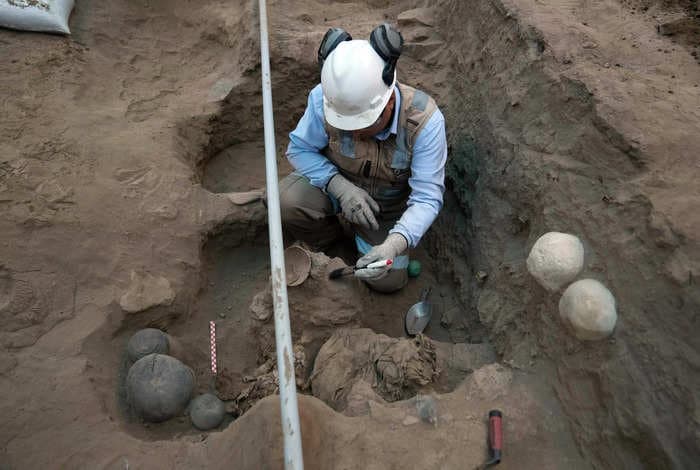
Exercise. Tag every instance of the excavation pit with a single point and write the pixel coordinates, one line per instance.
(114, 146)
(239, 168)
(235, 293)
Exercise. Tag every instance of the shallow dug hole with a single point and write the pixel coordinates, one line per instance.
(234, 292)
(240, 167)
(233, 272)
(232, 276)
(232, 289)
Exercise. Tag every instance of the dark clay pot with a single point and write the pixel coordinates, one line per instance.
(159, 387)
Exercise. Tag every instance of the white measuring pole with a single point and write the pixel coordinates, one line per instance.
(293, 458)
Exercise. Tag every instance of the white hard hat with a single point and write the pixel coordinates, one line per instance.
(354, 93)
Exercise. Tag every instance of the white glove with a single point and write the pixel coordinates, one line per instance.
(357, 205)
(394, 245)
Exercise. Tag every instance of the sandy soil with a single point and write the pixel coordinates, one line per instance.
(118, 144)
(580, 118)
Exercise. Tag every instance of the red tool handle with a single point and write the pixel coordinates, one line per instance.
(495, 436)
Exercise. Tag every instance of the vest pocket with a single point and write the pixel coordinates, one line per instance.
(344, 144)
(390, 193)
(401, 175)
(397, 163)
(399, 154)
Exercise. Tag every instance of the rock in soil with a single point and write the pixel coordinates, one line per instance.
(146, 291)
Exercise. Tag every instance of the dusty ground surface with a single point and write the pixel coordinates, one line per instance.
(117, 144)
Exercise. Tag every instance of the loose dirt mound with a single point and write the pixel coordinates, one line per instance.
(395, 436)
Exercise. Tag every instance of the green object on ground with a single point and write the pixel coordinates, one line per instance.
(414, 268)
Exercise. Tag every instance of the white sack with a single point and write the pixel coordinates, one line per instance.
(49, 16)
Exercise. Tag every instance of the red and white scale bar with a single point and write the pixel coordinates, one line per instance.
(212, 344)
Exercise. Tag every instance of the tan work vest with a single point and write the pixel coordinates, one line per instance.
(382, 167)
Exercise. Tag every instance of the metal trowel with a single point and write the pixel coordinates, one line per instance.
(418, 316)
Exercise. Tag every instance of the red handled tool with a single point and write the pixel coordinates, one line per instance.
(495, 438)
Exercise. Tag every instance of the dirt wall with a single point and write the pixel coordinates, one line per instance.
(545, 137)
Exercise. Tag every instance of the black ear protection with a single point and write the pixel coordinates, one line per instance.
(386, 41)
(330, 41)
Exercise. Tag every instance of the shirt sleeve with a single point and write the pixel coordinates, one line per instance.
(307, 141)
(427, 181)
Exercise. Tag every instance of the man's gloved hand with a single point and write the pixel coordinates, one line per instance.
(357, 205)
(394, 245)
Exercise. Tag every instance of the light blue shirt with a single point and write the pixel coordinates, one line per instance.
(427, 180)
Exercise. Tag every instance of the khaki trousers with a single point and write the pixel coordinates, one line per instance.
(310, 215)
